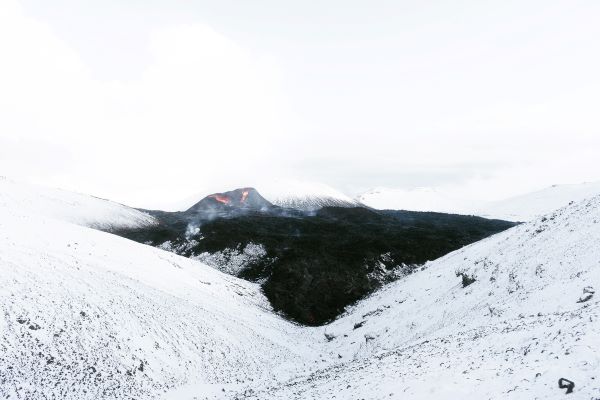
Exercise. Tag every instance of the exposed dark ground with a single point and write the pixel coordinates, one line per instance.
(316, 264)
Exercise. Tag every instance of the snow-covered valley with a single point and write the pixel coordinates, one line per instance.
(89, 315)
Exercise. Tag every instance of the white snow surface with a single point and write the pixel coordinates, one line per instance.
(71, 207)
(88, 315)
(233, 261)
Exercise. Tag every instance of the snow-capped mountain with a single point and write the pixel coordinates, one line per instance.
(305, 196)
(506, 317)
(71, 207)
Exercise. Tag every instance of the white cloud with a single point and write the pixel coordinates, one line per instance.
(203, 109)
(486, 98)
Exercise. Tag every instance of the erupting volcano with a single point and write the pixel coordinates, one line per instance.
(232, 202)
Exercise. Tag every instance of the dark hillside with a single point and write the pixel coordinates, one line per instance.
(312, 266)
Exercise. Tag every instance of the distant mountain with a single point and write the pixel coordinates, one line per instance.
(306, 196)
(301, 196)
(228, 203)
(311, 203)
(311, 264)
(519, 208)
(418, 199)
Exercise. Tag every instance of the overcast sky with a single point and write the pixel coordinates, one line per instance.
(150, 101)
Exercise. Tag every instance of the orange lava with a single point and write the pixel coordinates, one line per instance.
(244, 195)
(221, 199)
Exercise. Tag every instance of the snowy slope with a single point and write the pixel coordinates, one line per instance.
(509, 335)
(70, 207)
(530, 205)
(88, 315)
(418, 199)
(306, 196)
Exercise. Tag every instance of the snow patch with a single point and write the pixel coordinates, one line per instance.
(233, 261)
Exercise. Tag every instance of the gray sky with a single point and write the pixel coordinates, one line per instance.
(147, 102)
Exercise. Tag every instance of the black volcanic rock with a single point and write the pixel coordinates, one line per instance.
(311, 265)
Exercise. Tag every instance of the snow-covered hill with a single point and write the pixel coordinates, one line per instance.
(531, 205)
(524, 316)
(88, 315)
(305, 196)
(72, 207)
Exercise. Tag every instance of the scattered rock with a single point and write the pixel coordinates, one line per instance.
(359, 324)
(566, 384)
(466, 279)
(588, 293)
